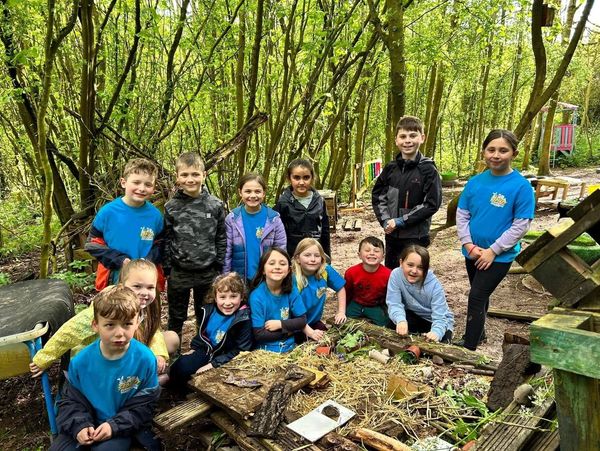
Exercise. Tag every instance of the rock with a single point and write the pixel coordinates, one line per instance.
(427, 372)
(523, 395)
(437, 360)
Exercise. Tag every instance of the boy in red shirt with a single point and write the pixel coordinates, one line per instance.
(366, 283)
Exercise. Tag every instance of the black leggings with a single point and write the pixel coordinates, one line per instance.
(419, 325)
(483, 284)
(184, 368)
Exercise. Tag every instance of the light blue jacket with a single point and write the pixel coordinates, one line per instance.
(235, 254)
(427, 301)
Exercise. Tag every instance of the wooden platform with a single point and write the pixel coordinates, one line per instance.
(519, 432)
(350, 224)
(182, 414)
(242, 402)
(550, 187)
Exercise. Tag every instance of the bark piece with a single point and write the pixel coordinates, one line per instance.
(270, 413)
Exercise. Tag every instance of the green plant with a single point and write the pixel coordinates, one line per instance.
(75, 277)
(4, 279)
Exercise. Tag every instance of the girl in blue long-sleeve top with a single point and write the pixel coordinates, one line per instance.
(416, 300)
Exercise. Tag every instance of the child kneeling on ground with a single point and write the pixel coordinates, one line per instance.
(416, 300)
(112, 384)
(224, 330)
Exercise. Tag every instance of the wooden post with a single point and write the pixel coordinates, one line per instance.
(569, 342)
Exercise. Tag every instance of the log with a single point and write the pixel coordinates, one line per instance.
(235, 431)
(270, 413)
(378, 441)
(515, 316)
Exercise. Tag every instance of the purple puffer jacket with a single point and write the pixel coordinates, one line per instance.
(235, 254)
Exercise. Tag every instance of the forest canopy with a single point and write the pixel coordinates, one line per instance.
(87, 84)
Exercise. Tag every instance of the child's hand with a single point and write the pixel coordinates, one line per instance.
(36, 371)
(390, 225)
(317, 334)
(273, 324)
(340, 318)
(432, 336)
(125, 261)
(473, 251)
(485, 260)
(103, 432)
(207, 367)
(402, 328)
(161, 364)
(85, 436)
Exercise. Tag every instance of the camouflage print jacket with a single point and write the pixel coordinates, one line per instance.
(194, 232)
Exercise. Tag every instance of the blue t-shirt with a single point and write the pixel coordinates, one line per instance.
(254, 224)
(217, 326)
(494, 202)
(108, 384)
(130, 230)
(265, 306)
(315, 293)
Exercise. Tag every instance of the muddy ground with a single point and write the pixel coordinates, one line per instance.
(23, 423)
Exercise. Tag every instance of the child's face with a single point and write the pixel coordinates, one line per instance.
(370, 255)
(115, 334)
(138, 188)
(310, 260)
(276, 267)
(301, 181)
(412, 267)
(143, 284)
(408, 142)
(498, 156)
(190, 179)
(228, 302)
(252, 194)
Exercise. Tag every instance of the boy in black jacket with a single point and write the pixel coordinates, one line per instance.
(407, 193)
(113, 383)
(224, 329)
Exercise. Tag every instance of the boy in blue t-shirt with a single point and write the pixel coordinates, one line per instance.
(113, 383)
(129, 227)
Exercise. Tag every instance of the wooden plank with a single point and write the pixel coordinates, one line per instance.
(561, 273)
(182, 414)
(357, 224)
(581, 226)
(577, 401)
(242, 402)
(235, 431)
(526, 254)
(543, 441)
(561, 341)
(348, 224)
(514, 428)
(515, 316)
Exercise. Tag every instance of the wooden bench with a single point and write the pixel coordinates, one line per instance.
(546, 187)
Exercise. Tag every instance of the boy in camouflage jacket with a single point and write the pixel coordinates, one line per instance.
(195, 239)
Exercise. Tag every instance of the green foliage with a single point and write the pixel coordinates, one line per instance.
(4, 279)
(76, 277)
(21, 225)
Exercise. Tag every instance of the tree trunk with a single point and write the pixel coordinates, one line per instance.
(435, 111)
(527, 148)
(544, 164)
(395, 44)
(515, 82)
(239, 91)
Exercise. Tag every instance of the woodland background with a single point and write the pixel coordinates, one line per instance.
(87, 84)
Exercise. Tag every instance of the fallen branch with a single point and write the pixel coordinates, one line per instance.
(378, 441)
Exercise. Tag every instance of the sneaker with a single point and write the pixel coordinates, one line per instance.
(461, 343)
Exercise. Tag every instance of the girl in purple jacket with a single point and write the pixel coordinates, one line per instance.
(251, 228)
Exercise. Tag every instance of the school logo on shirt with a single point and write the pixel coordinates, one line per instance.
(321, 292)
(259, 232)
(146, 234)
(127, 383)
(498, 200)
(220, 335)
(284, 312)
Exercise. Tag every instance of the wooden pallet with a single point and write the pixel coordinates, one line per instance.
(182, 414)
(516, 431)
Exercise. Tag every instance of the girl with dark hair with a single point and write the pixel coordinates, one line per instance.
(302, 208)
(251, 228)
(277, 308)
(416, 300)
(494, 212)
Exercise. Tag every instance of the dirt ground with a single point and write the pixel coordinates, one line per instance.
(23, 423)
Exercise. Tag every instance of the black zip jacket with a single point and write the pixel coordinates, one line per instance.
(238, 337)
(300, 222)
(411, 190)
(75, 413)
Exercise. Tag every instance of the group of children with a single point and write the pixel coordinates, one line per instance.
(278, 260)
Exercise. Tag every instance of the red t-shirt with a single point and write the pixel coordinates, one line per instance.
(367, 288)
